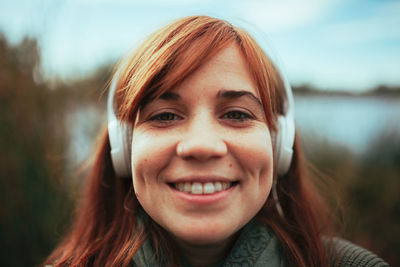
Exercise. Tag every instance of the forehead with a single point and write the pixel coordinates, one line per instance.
(226, 70)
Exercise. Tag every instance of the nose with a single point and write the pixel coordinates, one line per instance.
(202, 141)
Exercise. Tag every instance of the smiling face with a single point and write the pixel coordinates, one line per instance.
(202, 154)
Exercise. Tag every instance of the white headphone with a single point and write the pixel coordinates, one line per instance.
(120, 134)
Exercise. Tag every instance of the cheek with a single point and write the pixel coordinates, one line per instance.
(150, 154)
(254, 153)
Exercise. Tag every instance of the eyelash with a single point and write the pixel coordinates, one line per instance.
(242, 115)
(161, 117)
(234, 115)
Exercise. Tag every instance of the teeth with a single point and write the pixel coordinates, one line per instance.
(187, 187)
(197, 188)
(225, 185)
(218, 186)
(208, 188)
(181, 187)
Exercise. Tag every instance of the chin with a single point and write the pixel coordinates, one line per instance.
(206, 233)
(201, 239)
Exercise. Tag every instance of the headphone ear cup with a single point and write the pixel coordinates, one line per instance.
(120, 148)
(120, 135)
(284, 144)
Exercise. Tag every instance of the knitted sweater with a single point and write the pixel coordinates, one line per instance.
(258, 246)
(349, 254)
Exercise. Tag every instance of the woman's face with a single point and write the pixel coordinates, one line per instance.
(202, 154)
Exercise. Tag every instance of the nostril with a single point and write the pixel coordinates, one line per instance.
(201, 149)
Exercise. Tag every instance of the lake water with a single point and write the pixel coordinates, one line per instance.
(349, 121)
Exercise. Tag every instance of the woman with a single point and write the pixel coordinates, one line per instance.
(202, 126)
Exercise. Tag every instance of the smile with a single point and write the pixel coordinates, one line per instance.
(197, 188)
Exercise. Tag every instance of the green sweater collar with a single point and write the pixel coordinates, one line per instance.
(256, 246)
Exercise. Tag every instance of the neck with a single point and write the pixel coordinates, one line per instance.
(207, 254)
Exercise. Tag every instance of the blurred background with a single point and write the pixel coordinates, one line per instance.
(56, 57)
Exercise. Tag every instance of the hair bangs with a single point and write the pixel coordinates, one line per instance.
(171, 54)
(166, 59)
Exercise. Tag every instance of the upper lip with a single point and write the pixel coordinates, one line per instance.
(201, 179)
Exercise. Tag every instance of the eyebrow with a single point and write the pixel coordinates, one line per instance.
(228, 94)
(233, 94)
(170, 96)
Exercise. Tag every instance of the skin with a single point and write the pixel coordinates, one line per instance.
(204, 130)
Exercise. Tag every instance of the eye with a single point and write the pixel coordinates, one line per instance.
(237, 115)
(165, 117)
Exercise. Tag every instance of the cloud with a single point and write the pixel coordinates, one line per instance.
(382, 24)
(144, 2)
(286, 14)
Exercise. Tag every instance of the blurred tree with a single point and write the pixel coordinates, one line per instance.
(36, 188)
(366, 188)
(31, 144)
(375, 200)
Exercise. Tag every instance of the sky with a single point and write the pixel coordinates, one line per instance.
(351, 45)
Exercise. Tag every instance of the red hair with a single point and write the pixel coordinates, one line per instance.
(106, 230)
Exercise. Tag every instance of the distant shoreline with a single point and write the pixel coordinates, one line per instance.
(380, 91)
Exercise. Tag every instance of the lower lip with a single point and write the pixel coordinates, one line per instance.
(205, 199)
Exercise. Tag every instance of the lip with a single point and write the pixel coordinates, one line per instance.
(203, 199)
(201, 179)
